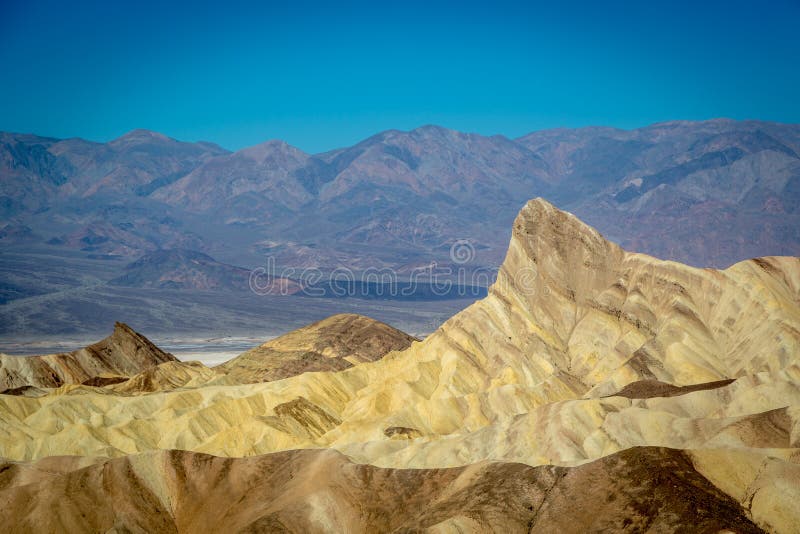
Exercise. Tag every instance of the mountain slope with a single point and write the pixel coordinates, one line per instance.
(123, 353)
(333, 344)
(255, 185)
(182, 269)
(136, 163)
(30, 173)
(320, 491)
(51, 169)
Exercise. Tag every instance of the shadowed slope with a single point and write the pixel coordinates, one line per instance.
(646, 389)
(182, 269)
(321, 491)
(166, 377)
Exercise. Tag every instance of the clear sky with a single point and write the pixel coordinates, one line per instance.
(326, 74)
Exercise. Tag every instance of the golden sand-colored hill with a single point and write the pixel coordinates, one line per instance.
(580, 354)
(124, 353)
(128, 363)
(333, 344)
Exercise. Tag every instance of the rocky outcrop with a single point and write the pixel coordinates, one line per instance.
(333, 344)
(124, 353)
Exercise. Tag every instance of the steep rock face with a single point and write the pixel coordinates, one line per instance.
(321, 491)
(573, 315)
(124, 353)
(333, 344)
(574, 312)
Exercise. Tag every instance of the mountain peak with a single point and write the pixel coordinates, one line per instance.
(261, 151)
(564, 254)
(127, 347)
(124, 353)
(433, 130)
(334, 343)
(141, 135)
(541, 220)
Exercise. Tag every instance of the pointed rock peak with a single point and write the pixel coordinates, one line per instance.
(553, 249)
(541, 220)
(124, 353)
(122, 332)
(125, 346)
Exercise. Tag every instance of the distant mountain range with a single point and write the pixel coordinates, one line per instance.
(706, 193)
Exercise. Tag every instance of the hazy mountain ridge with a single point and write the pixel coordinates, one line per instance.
(705, 193)
(75, 168)
(417, 191)
(182, 269)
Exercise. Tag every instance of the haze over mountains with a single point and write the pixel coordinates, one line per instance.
(705, 193)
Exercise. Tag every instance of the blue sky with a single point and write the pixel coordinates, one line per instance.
(322, 75)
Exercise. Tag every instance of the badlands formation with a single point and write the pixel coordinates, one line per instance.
(122, 354)
(593, 389)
